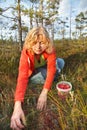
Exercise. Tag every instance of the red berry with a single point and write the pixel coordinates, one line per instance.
(60, 86)
(63, 86)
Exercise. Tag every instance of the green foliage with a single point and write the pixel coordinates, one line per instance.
(9, 59)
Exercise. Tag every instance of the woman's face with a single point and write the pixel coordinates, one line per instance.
(40, 46)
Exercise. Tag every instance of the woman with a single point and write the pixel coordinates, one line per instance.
(38, 49)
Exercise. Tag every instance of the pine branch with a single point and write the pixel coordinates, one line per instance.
(3, 10)
(8, 17)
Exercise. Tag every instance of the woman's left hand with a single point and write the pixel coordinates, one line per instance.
(42, 100)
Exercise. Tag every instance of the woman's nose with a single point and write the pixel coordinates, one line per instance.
(38, 45)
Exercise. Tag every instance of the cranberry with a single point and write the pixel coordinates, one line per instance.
(63, 86)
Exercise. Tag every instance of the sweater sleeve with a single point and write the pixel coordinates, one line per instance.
(51, 70)
(22, 77)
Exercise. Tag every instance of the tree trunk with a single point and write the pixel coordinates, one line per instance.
(41, 12)
(19, 25)
(31, 17)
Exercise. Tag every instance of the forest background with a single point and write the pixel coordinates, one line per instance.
(69, 33)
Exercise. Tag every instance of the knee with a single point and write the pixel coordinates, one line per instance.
(60, 63)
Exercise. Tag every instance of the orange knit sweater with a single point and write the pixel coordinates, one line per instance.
(26, 68)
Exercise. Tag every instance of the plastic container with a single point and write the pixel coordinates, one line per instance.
(63, 87)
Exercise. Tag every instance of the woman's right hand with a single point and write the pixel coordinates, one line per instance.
(17, 117)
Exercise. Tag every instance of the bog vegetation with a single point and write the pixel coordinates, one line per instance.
(61, 114)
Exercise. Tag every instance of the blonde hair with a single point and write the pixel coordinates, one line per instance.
(33, 36)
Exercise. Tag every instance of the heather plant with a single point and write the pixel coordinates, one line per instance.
(9, 59)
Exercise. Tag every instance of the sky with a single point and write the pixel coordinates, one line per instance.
(76, 5)
(64, 9)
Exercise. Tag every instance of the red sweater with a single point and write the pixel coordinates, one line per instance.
(26, 68)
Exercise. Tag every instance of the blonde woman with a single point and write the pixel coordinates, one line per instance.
(38, 49)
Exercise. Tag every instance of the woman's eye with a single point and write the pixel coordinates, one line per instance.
(42, 42)
(34, 43)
